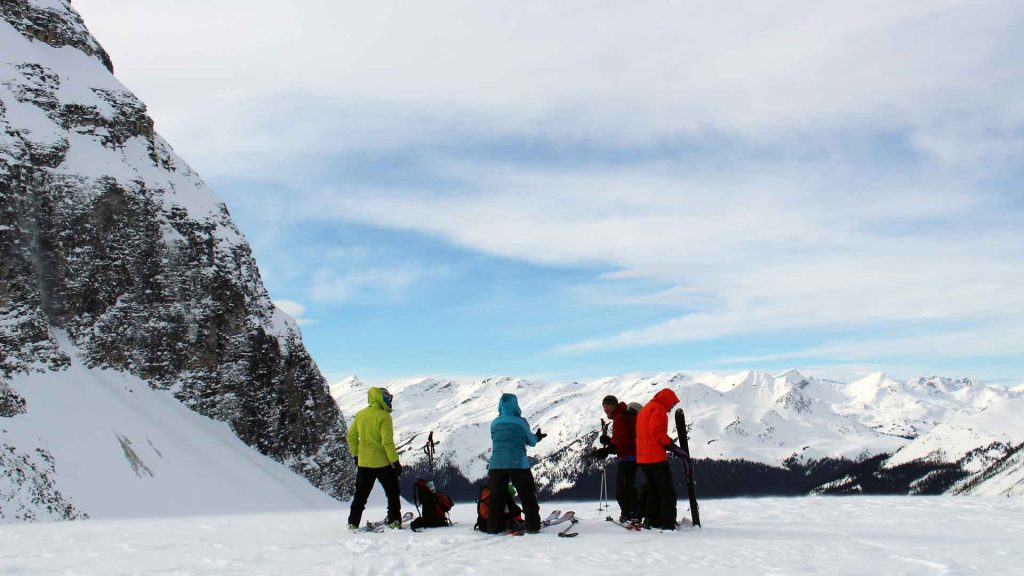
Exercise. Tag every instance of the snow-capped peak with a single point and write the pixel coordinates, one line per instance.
(792, 376)
(869, 388)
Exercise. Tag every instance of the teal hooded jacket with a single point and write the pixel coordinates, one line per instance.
(510, 435)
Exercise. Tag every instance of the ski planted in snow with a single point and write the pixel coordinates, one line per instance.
(691, 484)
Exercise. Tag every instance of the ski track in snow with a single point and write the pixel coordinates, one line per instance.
(771, 536)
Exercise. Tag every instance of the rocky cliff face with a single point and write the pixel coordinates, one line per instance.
(109, 238)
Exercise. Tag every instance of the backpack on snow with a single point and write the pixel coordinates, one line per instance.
(432, 504)
(513, 513)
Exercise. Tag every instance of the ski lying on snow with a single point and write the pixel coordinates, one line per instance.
(565, 533)
(551, 520)
(382, 524)
(565, 517)
(628, 526)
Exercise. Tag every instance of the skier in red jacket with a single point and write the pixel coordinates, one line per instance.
(622, 443)
(652, 441)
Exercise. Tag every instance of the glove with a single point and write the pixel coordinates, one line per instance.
(540, 435)
(605, 439)
(598, 453)
(677, 450)
(397, 466)
(355, 460)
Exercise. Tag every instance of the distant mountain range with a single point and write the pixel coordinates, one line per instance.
(753, 432)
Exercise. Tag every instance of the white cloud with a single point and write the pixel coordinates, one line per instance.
(1001, 338)
(295, 310)
(803, 247)
(380, 72)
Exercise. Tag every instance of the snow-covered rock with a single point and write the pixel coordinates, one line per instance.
(113, 240)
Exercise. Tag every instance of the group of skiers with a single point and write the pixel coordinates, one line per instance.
(638, 438)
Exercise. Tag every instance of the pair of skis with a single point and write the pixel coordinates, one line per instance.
(382, 524)
(569, 517)
(556, 517)
(637, 527)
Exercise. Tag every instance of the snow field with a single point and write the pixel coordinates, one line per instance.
(833, 536)
(122, 449)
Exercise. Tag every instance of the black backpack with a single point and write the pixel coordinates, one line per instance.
(513, 513)
(432, 504)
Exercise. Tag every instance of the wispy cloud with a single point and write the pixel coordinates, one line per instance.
(807, 246)
(1000, 338)
(332, 287)
(296, 311)
(368, 74)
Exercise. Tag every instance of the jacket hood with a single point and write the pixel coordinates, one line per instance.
(375, 398)
(620, 408)
(667, 398)
(509, 405)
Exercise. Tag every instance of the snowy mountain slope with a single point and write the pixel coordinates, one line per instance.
(986, 445)
(122, 449)
(1005, 477)
(999, 422)
(110, 238)
(911, 408)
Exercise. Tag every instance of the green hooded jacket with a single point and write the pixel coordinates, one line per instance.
(371, 436)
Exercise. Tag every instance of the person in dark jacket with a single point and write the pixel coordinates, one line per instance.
(652, 441)
(622, 443)
(371, 440)
(510, 435)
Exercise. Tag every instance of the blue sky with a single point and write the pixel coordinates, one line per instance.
(539, 189)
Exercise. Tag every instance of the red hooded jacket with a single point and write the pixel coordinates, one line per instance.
(652, 428)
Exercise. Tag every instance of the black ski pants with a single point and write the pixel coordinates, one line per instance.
(522, 480)
(662, 490)
(625, 489)
(365, 477)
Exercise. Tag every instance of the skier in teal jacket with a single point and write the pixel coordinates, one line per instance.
(510, 435)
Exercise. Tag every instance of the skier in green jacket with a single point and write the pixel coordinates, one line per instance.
(371, 440)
